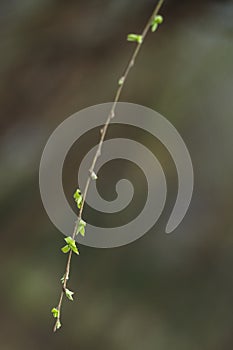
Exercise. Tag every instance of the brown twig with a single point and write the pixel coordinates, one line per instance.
(111, 115)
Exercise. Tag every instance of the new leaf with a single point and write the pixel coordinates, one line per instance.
(78, 198)
(69, 294)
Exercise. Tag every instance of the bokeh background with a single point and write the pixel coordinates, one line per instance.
(162, 291)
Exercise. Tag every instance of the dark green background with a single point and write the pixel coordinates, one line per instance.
(162, 291)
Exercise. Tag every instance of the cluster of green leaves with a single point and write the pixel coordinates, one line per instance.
(139, 38)
(71, 245)
(56, 314)
(79, 200)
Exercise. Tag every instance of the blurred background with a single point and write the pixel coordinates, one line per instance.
(162, 291)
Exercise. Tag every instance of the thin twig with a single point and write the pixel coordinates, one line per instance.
(103, 132)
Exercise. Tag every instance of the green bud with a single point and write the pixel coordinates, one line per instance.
(155, 22)
(135, 37)
(121, 80)
(55, 312)
(69, 294)
(158, 19)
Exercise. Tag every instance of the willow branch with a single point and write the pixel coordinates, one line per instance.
(103, 132)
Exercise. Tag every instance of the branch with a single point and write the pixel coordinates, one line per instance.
(152, 24)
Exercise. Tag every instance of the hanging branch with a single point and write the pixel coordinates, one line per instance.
(70, 247)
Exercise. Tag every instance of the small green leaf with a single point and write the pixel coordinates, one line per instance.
(75, 250)
(71, 244)
(55, 312)
(78, 198)
(154, 27)
(65, 249)
(58, 324)
(82, 231)
(63, 278)
(69, 240)
(158, 19)
(155, 22)
(82, 222)
(81, 227)
(135, 38)
(69, 294)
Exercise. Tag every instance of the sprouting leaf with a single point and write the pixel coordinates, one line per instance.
(78, 198)
(58, 324)
(63, 278)
(82, 231)
(94, 176)
(159, 19)
(55, 312)
(71, 244)
(69, 240)
(155, 22)
(65, 249)
(135, 37)
(81, 227)
(69, 294)
(77, 193)
(75, 250)
(154, 27)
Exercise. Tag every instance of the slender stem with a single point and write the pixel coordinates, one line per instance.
(103, 132)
